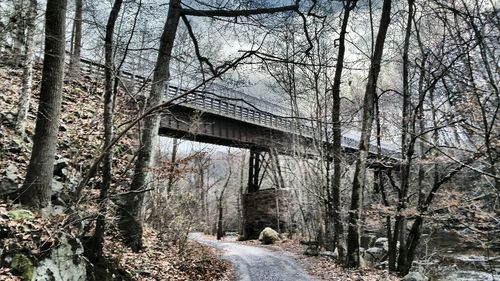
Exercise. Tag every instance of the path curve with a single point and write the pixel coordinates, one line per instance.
(255, 263)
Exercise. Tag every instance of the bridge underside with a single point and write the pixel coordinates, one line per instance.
(190, 124)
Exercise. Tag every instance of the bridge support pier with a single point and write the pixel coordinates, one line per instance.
(266, 207)
(254, 169)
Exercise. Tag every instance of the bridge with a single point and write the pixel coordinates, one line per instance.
(231, 118)
(234, 119)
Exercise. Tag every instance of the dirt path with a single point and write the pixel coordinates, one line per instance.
(257, 264)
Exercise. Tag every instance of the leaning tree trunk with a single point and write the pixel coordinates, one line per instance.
(37, 184)
(368, 115)
(131, 218)
(76, 47)
(108, 127)
(337, 135)
(24, 100)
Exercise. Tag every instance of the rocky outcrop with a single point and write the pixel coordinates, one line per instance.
(65, 263)
(375, 255)
(32, 249)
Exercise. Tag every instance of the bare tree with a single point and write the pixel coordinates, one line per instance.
(131, 220)
(37, 184)
(76, 42)
(337, 133)
(109, 101)
(24, 99)
(361, 162)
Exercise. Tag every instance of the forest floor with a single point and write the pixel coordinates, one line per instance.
(278, 261)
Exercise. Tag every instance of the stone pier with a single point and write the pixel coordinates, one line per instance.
(265, 208)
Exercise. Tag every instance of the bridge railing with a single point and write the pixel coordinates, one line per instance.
(207, 101)
(236, 106)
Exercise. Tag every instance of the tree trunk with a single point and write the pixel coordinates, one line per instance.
(37, 184)
(337, 136)
(220, 203)
(407, 151)
(368, 115)
(24, 100)
(220, 231)
(173, 159)
(18, 32)
(108, 124)
(131, 219)
(241, 213)
(76, 47)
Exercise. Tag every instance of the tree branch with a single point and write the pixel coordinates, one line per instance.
(238, 13)
(201, 58)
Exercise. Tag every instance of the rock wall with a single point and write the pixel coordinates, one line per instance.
(260, 211)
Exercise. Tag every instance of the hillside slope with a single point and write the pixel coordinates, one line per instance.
(28, 239)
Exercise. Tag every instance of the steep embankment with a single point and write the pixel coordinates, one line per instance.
(49, 242)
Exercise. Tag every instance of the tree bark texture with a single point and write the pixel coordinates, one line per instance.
(18, 31)
(131, 219)
(220, 230)
(74, 64)
(368, 116)
(37, 184)
(24, 100)
(171, 173)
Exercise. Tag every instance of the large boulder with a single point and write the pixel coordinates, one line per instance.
(373, 255)
(268, 236)
(414, 276)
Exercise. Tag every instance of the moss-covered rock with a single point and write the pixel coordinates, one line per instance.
(23, 266)
(20, 214)
(269, 236)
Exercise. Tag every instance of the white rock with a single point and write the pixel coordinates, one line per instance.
(64, 264)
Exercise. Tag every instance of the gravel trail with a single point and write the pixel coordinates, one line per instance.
(257, 264)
